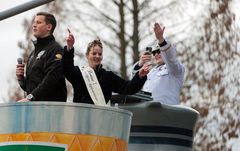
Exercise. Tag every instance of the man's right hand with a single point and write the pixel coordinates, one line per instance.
(20, 71)
(145, 57)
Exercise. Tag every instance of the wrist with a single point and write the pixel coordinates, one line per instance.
(30, 97)
(163, 43)
(165, 47)
(161, 39)
(69, 48)
(19, 78)
(140, 64)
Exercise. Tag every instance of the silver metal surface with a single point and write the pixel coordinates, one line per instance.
(159, 127)
(156, 147)
(73, 118)
(22, 8)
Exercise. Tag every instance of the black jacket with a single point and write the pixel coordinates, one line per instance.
(44, 73)
(108, 81)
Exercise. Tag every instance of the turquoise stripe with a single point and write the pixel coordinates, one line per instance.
(30, 148)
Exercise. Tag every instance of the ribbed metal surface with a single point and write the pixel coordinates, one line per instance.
(159, 127)
(72, 118)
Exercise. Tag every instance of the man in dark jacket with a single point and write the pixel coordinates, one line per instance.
(44, 80)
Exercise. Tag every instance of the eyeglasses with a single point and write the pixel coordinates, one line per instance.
(156, 52)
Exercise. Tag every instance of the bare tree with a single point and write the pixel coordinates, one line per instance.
(211, 86)
(122, 25)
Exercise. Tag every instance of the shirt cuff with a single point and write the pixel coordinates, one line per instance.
(164, 47)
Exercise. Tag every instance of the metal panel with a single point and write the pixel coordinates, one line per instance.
(159, 127)
(75, 118)
(22, 8)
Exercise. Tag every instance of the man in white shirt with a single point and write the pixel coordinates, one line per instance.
(165, 79)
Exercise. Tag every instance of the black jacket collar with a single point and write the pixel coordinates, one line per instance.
(43, 41)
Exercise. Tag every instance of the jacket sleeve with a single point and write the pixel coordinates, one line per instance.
(73, 75)
(129, 87)
(71, 72)
(22, 83)
(53, 72)
(169, 54)
(135, 69)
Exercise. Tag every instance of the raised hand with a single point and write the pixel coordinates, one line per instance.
(70, 39)
(159, 31)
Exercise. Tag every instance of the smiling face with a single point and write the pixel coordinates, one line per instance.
(94, 53)
(94, 56)
(40, 28)
(158, 57)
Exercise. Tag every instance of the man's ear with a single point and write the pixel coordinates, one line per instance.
(49, 27)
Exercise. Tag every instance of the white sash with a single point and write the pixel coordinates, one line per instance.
(93, 85)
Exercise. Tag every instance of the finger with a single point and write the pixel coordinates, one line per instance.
(163, 29)
(68, 30)
(156, 25)
(69, 38)
(20, 65)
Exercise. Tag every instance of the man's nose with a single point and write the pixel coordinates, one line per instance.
(33, 24)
